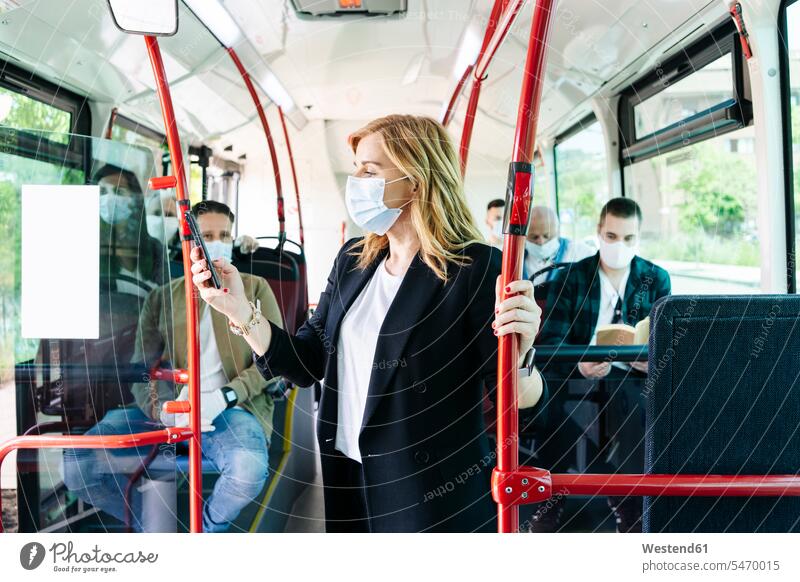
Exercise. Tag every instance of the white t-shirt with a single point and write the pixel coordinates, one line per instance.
(358, 338)
(608, 299)
(212, 374)
(608, 302)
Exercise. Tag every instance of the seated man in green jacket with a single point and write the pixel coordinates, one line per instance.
(236, 410)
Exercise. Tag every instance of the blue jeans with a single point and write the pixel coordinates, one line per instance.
(238, 449)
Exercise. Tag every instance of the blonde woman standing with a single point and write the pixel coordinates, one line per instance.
(404, 338)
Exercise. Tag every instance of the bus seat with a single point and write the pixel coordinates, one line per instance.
(722, 397)
(286, 274)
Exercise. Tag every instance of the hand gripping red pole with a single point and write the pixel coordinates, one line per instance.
(518, 203)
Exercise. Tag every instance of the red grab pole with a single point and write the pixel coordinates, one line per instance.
(501, 18)
(178, 169)
(480, 74)
(294, 176)
(451, 105)
(270, 143)
(533, 485)
(518, 203)
(469, 121)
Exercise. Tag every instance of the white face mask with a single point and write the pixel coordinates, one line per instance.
(162, 228)
(497, 230)
(543, 251)
(220, 250)
(364, 200)
(115, 208)
(616, 255)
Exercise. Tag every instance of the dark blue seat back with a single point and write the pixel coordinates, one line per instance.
(723, 398)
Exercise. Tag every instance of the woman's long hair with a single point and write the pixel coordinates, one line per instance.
(422, 150)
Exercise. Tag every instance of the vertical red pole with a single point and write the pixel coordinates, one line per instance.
(518, 204)
(270, 143)
(193, 347)
(294, 176)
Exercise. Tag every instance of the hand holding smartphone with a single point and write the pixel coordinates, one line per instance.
(198, 241)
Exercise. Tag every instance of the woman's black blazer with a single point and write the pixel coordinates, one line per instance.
(425, 453)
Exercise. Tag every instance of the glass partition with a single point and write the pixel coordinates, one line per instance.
(69, 384)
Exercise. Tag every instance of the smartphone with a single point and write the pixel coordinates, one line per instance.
(198, 241)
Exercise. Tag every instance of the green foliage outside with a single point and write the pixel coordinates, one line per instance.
(31, 114)
(582, 192)
(719, 191)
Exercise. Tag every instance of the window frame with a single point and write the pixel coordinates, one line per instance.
(726, 116)
(30, 85)
(788, 161)
(31, 145)
(138, 128)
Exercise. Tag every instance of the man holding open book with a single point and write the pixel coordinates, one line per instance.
(599, 299)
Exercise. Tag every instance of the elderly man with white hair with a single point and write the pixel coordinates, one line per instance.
(545, 247)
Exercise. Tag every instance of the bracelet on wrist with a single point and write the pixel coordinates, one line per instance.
(244, 328)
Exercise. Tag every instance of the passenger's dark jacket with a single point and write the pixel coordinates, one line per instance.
(426, 457)
(573, 302)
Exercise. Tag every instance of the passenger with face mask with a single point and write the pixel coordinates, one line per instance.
(131, 259)
(163, 224)
(546, 247)
(493, 223)
(404, 340)
(614, 285)
(235, 407)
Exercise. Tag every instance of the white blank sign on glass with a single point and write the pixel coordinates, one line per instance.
(60, 262)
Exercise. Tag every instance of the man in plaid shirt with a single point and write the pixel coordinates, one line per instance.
(612, 286)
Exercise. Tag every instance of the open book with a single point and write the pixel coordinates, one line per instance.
(620, 334)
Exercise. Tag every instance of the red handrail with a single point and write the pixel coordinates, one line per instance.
(270, 143)
(474, 95)
(534, 485)
(294, 176)
(491, 42)
(451, 105)
(518, 204)
(167, 435)
(193, 348)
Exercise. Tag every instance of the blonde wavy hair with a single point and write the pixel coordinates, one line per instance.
(422, 150)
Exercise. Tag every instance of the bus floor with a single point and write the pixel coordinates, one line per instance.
(308, 511)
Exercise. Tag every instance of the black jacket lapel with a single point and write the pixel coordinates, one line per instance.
(418, 288)
(593, 295)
